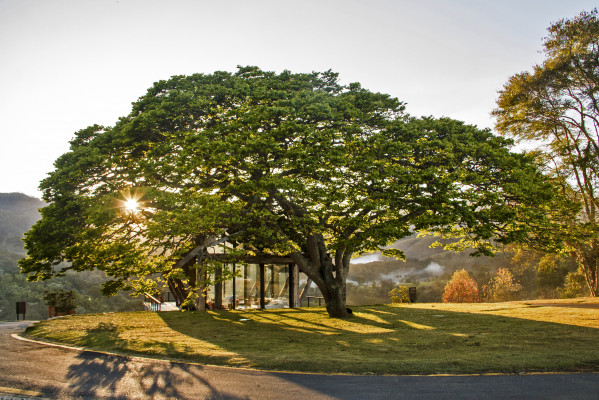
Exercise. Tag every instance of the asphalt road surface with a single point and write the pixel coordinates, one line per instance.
(31, 370)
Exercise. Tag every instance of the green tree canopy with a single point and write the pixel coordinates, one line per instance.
(289, 164)
(556, 107)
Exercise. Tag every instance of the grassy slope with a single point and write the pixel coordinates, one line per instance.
(382, 339)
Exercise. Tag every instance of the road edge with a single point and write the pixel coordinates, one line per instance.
(163, 360)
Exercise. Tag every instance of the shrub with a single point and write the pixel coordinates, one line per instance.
(575, 286)
(461, 289)
(399, 294)
(62, 300)
(502, 287)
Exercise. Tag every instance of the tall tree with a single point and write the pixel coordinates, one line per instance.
(556, 107)
(292, 164)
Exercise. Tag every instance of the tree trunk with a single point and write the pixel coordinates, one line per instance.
(328, 274)
(591, 273)
(177, 289)
(588, 259)
(335, 302)
(593, 265)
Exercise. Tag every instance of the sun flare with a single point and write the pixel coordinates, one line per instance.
(130, 202)
(131, 205)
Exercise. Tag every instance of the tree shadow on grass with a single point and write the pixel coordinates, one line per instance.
(392, 340)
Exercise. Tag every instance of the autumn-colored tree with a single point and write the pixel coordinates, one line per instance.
(555, 108)
(502, 287)
(461, 289)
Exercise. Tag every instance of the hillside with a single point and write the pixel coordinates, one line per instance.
(18, 212)
(422, 263)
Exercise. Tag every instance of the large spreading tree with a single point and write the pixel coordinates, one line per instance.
(287, 164)
(556, 107)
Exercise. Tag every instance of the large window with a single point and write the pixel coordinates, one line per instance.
(243, 291)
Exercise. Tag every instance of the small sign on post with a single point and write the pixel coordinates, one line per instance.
(21, 309)
(412, 294)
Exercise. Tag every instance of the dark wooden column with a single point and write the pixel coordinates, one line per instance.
(262, 301)
(293, 286)
(272, 281)
(234, 288)
(201, 284)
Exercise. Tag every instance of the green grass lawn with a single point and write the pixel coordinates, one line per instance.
(381, 339)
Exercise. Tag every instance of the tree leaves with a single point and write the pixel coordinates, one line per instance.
(556, 108)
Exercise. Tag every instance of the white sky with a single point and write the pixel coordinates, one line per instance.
(67, 64)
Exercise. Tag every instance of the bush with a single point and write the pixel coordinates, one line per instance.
(399, 294)
(575, 286)
(62, 300)
(502, 287)
(461, 289)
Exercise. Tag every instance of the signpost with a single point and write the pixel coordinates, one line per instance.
(412, 294)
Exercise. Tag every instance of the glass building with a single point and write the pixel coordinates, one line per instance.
(258, 285)
(260, 281)
(254, 281)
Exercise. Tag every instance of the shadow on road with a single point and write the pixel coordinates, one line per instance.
(117, 377)
(94, 375)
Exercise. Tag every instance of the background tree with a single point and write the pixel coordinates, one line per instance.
(461, 289)
(399, 294)
(292, 164)
(541, 274)
(556, 107)
(502, 287)
(575, 285)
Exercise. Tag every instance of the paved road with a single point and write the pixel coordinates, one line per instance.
(58, 373)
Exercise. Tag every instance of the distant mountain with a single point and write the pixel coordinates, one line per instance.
(20, 203)
(17, 213)
(422, 263)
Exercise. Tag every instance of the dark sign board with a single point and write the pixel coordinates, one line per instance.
(412, 294)
(21, 309)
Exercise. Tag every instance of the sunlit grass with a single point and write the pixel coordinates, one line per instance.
(393, 339)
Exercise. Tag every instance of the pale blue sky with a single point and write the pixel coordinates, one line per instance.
(67, 64)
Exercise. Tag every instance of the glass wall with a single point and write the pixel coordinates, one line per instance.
(277, 286)
(247, 290)
(310, 294)
(243, 291)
